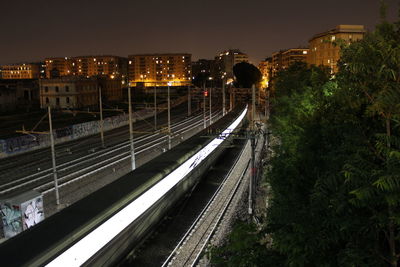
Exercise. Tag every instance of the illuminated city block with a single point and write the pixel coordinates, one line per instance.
(147, 70)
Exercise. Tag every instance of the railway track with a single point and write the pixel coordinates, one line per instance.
(189, 249)
(85, 165)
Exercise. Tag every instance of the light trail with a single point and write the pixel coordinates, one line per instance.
(89, 245)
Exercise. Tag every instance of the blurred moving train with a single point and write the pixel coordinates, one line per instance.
(102, 227)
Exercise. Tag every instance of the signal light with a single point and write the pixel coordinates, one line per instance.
(206, 93)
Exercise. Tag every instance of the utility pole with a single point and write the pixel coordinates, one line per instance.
(223, 98)
(133, 164)
(253, 108)
(210, 107)
(267, 108)
(53, 156)
(155, 107)
(169, 120)
(253, 148)
(101, 119)
(189, 102)
(204, 106)
(230, 98)
(253, 172)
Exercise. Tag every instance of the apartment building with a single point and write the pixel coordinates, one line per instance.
(324, 50)
(87, 66)
(160, 69)
(68, 92)
(284, 58)
(265, 67)
(225, 61)
(20, 71)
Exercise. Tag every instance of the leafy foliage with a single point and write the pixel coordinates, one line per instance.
(246, 74)
(244, 248)
(336, 175)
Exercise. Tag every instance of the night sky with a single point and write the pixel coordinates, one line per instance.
(33, 30)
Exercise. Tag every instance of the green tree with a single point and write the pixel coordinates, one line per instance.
(370, 71)
(244, 247)
(335, 176)
(246, 74)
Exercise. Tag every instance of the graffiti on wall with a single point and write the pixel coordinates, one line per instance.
(63, 132)
(29, 142)
(2, 146)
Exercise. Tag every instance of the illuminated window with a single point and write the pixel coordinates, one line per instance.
(333, 38)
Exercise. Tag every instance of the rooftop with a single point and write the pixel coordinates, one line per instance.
(342, 29)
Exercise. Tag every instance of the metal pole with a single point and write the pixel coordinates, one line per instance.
(53, 157)
(253, 109)
(189, 102)
(101, 119)
(133, 164)
(230, 98)
(223, 98)
(155, 107)
(253, 170)
(267, 108)
(204, 106)
(169, 120)
(210, 107)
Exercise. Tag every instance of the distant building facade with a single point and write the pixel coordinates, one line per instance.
(68, 92)
(87, 66)
(160, 69)
(202, 66)
(324, 51)
(225, 61)
(78, 92)
(284, 58)
(111, 89)
(61, 65)
(265, 68)
(21, 71)
(293, 55)
(19, 94)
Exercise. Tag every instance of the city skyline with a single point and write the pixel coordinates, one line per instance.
(35, 30)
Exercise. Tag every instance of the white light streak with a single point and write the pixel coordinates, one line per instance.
(89, 245)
